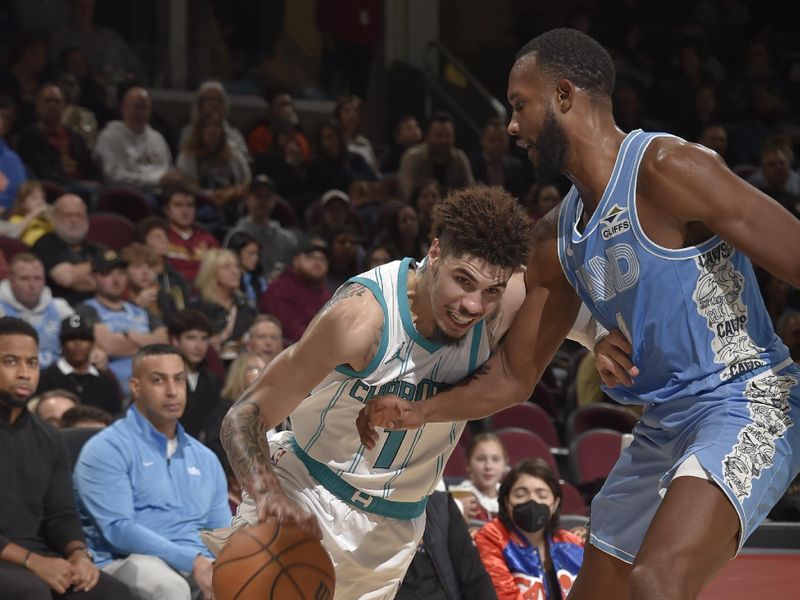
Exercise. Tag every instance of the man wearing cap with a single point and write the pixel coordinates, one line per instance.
(334, 213)
(120, 328)
(74, 371)
(278, 244)
(25, 296)
(298, 293)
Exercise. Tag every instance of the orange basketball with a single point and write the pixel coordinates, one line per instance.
(273, 561)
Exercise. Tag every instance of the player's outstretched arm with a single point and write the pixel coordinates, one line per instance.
(538, 329)
(688, 183)
(346, 331)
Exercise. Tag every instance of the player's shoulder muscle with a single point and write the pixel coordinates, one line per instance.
(348, 325)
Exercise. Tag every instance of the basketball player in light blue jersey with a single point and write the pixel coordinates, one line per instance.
(654, 238)
(400, 328)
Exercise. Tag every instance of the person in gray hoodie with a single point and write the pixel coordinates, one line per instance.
(25, 296)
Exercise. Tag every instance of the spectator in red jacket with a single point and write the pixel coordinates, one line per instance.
(187, 243)
(523, 549)
(298, 293)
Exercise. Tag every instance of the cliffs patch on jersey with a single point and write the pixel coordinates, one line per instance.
(614, 222)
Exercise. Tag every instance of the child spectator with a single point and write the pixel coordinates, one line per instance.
(487, 463)
(30, 216)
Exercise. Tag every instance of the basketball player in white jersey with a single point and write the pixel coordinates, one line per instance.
(402, 328)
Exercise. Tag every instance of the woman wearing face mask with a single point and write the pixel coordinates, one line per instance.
(527, 556)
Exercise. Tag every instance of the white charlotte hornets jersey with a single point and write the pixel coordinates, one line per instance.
(694, 316)
(404, 466)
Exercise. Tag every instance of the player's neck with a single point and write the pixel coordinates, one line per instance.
(419, 299)
(592, 156)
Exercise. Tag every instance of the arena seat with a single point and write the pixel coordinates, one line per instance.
(521, 444)
(456, 467)
(52, 190)
(74, 438)
(572, 503)
(113, 231)
(594, 453)
(11, 246)
(599, 416)
(127, 202)
(531, 417)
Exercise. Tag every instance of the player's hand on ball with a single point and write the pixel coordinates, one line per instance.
(278, 506)
(389, 412)
(612, 360)
(202, 570)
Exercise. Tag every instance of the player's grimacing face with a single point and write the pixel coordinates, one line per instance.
(465, 290)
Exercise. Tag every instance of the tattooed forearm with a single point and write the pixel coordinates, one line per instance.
(479, 372)
(244, 438)
(346, 291)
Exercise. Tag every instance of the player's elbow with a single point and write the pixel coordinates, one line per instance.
(520, 378)
(520, 389)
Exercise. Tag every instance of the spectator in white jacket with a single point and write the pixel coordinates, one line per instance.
(131, 152)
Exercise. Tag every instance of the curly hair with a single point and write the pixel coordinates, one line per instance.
(575, 56)
(486, 222)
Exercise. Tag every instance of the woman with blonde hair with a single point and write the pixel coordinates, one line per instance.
(30, 216)
(210, 163)
(211, 96)
(242, 372)
(222, 301)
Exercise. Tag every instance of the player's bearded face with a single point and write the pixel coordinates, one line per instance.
(551, 148)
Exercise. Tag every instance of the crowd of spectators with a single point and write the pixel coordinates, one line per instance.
(227, 242)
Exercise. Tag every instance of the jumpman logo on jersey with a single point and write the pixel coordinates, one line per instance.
(397, 355)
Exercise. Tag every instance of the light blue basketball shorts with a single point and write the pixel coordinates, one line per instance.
(745, 435)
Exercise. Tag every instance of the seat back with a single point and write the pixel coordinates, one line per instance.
(572, 502)
(127, 202)
(599, 416)
(52, 190)
(456, 467)
(569, 521)
(75, 438)
(531, 417)
(543, 398)
(594, 453)
(12, 246)
(110, 230)
(521, 444)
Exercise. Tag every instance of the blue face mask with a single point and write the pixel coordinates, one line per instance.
(530, 516)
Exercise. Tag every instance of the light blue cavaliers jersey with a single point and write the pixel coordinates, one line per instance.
(404, 466)
(694, 316)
